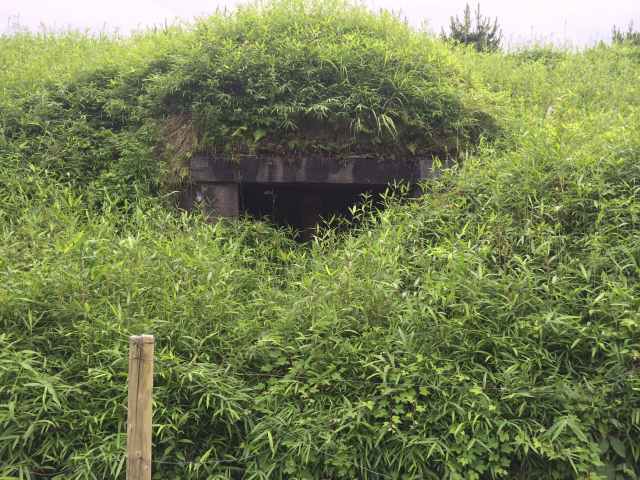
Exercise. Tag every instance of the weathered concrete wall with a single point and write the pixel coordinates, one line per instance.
(218, 199)
(216, 181)
(308, 170)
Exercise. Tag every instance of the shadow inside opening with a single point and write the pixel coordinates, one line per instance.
(303, 206)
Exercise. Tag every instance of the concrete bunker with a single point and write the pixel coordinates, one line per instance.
(336, 116)
(295, 192)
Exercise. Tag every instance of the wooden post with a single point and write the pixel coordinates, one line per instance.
(139, 414)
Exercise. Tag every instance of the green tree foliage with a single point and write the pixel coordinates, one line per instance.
(630, 36)
(481, 32)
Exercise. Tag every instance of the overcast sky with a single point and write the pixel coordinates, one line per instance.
(574, 22)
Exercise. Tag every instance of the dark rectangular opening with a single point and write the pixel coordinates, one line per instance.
(303, 205)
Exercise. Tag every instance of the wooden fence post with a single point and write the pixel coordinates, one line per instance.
(139, 413)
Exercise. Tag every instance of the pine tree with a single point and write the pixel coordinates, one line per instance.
(630, 36)
(484, 33)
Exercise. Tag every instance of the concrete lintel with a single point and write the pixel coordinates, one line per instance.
(253, 169)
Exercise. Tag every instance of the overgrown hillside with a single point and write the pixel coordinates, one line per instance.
(284, 78)
(489, 329)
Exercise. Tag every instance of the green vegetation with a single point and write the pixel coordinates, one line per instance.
(489, 329)
(481, 32)
(629, 36)
(284, 78)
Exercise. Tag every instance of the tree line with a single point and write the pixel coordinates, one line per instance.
(485, 34)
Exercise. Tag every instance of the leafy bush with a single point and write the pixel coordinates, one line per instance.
(547, 55)
(320, 77)
(82, 120)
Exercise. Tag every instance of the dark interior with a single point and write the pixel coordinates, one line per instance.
(303, 205)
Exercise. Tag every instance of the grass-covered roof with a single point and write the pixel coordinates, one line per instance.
(331, 77)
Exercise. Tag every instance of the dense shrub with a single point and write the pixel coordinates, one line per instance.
(75, 109)
(488, 329)
(547, 55)
(321, 77)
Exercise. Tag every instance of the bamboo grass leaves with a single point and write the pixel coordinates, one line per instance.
(488, 329)
(340, 81)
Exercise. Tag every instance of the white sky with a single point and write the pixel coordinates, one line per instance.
(574, 22)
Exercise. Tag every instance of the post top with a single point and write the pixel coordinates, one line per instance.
(139, 339)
